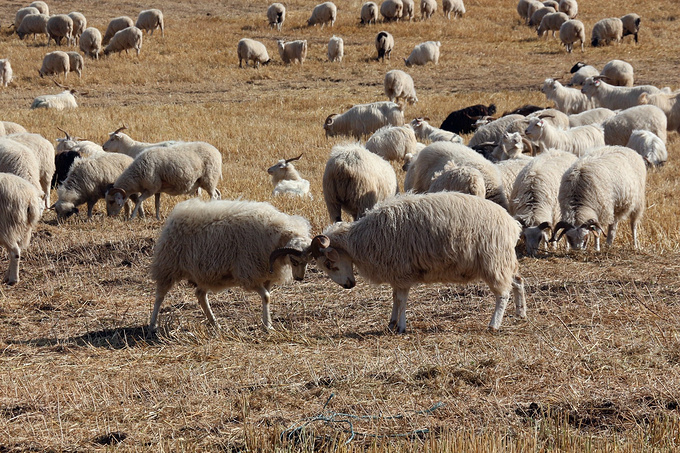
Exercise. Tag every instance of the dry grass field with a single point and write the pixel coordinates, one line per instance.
(595, 367)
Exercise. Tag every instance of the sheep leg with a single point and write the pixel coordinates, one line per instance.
(501, 304)
(520, 296)
(157, 197)
(266, 316)
(611, 233)
(90, 205)
(633, 229)
(162, 289)
(12, 274)
(398, 318)
(202, 297)
(334, 211)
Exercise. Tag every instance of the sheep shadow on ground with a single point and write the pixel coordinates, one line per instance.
(118, 338)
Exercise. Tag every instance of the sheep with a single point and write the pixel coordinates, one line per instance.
(369, 13)
(410, 157)
(175, 170)
(424, 131)
(532, 8)
(61, 101)
(127, 38)
(523, 8)
(453, 6)
(12, 128)
(44, 153)
(393, 142)
(607, 30)
(618, 128)
(91, 42)
(251, 50)
(407, 11)
(567, 100)
(20, 211)
(423, 53)
(551, 22)
(120, 142)
(581, 72)
(600, 189)
(649, 146)
(511, 146)
(227, 243)
(619, 73)
(5, 72)
(552, 3)
(85, 148)
(364, 119)
(56, 62)
(509, 169)
(391, 10)
(87, 182)
(59, 26)
(533, 200)
(151, 19)
(23, 12)
(76, 62)
(41, 7)
(399, 87)
(593, 116)
(63, 163)
(615, 97)
(462, 121)
(576, 140)
(115, 25)
(493, 131)
(336, 49)
(442, 237)
(427, 8)
(276, 15)
(384, 43)
(572, 31)
(458, 179)
(354, 180)
(79, 25)
(20, 160)
(631, 25)
(569, 7)
(33, 24)
(323, 13)
(287, 180)
(292, 51)
(536, 18)
(553, 116)
(668, 103)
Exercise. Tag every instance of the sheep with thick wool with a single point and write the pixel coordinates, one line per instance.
(323, 13)
(572, 31)
(33, 24)
(251, 50)
(569, 7)
(79, 26)
(384, 43)
(455, 7)
(20, 160)
(124, 40)
(336, 49)
(669, 103)
(10, 127)
(509, 169)
(399, 87)
(576, 140)
(424, 53)
(149, 20)
(427, 8)
(617, 129)
(44, 152)
(649, 146)
(593, 116)
(287, 180)
(551, 22)
(292, 51)
(115, 25)
(23, 12)
(458, 179)
(524, 7)
(619, 73)
(606, 31)
(41, 7)
(538, 15)
(5, 72)
(615, 97)
(567, 100)
(408, 11)
(425, 131)
(276, 15)
(493, 131)
(56, 62)
(91, 42)
(364, 119)
(369, 13)
(393, 142)
(59, 26)
(391, 10)
(76, 63)
(631, 25)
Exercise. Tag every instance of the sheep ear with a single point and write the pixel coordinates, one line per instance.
(331, 254)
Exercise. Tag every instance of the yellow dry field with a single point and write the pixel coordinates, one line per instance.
(595, 367)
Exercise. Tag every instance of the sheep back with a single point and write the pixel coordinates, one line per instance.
(364, 119)
(115, 25)
(617, 129)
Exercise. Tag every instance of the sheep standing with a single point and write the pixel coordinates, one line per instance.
(115, 25)
(572, 31)
(369, 13)
(336, 49)
(618, 128)
(393, 142)
(538, 15)
(569, 7)
(384, 43)
(23, 12)
(453, 6)
(364, 119)
(125, 39)
(631, 25)
(44, 153)
(399, 87)
(442, 237)
(567, 100)
(427, 8)
(33, 24)
(576, 140)
(20, 211)
(551, 22)
(20, 160)
(79, 26)
(56, 62)
(91, 42)
(292, 51)
(615, 97)
(581, 72)
(59, 27)
(41, 7)
(649, 146)
(5, 72)
(391, 10)
(276, 15)
(407, 11)
(424, 131)
(287, 180)
(324, 13)
(423, 53)
(149, 20)
(619, 73)
(606, 31)
(223, 244)
(251, 50)
(76, 63)
(458, 179)
(668, 103)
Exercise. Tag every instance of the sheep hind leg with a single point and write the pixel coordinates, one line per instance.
(12, 274)
(202, 297)
(520, 296)
(162, 289)
(398, 318)
(501, 304)
(263, 291)
(611, 233)
(157, 199)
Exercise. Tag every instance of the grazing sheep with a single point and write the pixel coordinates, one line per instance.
(631, 25)
(61, 101)
(567, 100)
(576, 140)
(20, 211)
(617, 129)
(533, 200)
(408, 11)
(226, 243)
(79, 26)
(493, 131)
(41, 7)
(572, 31)
(551, 22)
(399, 87)
(393, 142)
(458, 179)
(668, 103)
(276, 15)
(649, 146)
(593, 116)
(391, 10)
(125, 39)
(569, 7)
(56, 62)
(619, 73)
(76, 63)
(369, 13)
(287, 180)
(116, 25)
(324, 13)
(384, 43)
(463, 121)
(453, 6)
(605, 31)
(33, 24)
(149, 20)
(581, 72)
(44, 153)
(355, 180)
(601, 189)
(20, 160)
(176, 170)
(91, 42)
(336, 49)
(251, 50)
(538, 15)
(423, 53)
(526, 7)
(59, 26)
(23, 12)
(292, 51)
(120, 142)
(5, 72)
(615, 97)
(427, 8)
(424, 131)
(364, 119)
(442, 237)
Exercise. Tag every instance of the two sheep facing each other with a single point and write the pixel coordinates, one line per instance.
(286, 179)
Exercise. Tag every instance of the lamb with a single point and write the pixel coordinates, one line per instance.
(424, 131)
(631, 25)
(391, 10)
(115, 25)
(607, 30)
(364, 119)
(615, 97)
(287, 180)
(369, 13)
(572, 31)
(33, 24)
(593, 116)
(127, 38)
(292, 51)
(23, 12)
(408, 11)
(463, 121)
(226, 243)
(581, 72)
(64, 100)
(20, 160)
(5, 72)
(120, 142)
(569, 7)
(442, 237)
(251, 50)
(276, 15)
(44, 153)
(493, 131)
(427, 8)
(354, 180)
(59, 26)
(336, 49)
(619, 73)
(458, 179)
(149, 20)
(598, 190)
(79, 25)
(393, 142)
(56, 62)
(324, 13)
(20, 211)
(176, 170)
(453, 6)
(423, 53)
(91, 42)
(567, 100)
(76, 63)
(551, 22)
(41, 7)
(618, 128)
(576, 140)
(649, 146)
(399, 87)
(668, 103)
(533, 200)
(384, 43)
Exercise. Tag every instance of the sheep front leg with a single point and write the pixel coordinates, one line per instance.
(12, 274)
(158, 205)
(143, 196)
(520, 296)
(162, 289)
(266, 316)
(398, 318)
(90, 205)
(611, 233)
(501, 304)
(202, 297)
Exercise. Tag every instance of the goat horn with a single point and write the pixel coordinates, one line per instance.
(120, 129)
(546, 115)
(68, 137)
(330, 117)
(545, 226)
(593, 225)
(116, 190)
(319, 242)
(293, 158)
(528, 144)
(561, 225)
(278, 253)
(60, 85)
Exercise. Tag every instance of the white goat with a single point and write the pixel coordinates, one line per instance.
(576, 140)
(120, 142)
(593, 116)
(287, 180)
(615, 97)
(567, 100)
(425, 131)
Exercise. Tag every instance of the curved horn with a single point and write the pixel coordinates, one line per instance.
(51, 208)
(60, 85)
(278, 253)
(545, 226)
(593, 225)
(68, 137)
(546, 115)
(330, 118)
(116, 190)
(561, 225)
(120, 129)
(293, 158)
(601, 77)
(319, 242)
(528, 144)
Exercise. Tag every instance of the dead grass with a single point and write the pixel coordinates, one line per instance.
(594, 368)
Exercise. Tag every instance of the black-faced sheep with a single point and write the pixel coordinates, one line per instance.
(369, 13)
(384, 43)
(631, 25)
(276, 15)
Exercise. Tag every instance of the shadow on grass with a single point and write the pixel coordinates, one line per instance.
(119, 338)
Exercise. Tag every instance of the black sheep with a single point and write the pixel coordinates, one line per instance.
(463, 121)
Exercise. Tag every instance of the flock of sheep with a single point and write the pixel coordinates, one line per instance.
(532, 176)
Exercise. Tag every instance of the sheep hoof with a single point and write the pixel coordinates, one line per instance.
(392, 326)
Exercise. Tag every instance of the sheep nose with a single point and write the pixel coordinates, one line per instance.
(349, 284)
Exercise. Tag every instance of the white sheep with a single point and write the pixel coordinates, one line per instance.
(569, 7)
(399, 87)
(336, 49)
(593, 116)
(511, 146)
(12, 128)
(649, 146)
(76, 63)
(20, 160)
(509, 169)
(391, 10)
(581, 72)
(364, 119)
(567, 100)
(5, 72)
(444, 237)
(91, 42)
(115, 25)
(393, 143)
(619, 73)
(125, 39)
(354, 180)
(552, 3)
(59, 27)
(149, 20)
(64, 100)
(44, 153)
(369, 13)
(458, 179)
(606, 31)
(222, 244)
(551, 22)
(122, 143)
(424, 53)
(631, 25)
(533, 200)
(493, 131)
(599, 190)
(576, 140)
(384, 43)
(41, 7)
(668, 103)
(176, 170)
(20, 211)
(323, 13)
(523, 9)
(553, 116)
(251, 50)
(425, 131)
(615, 97)
(572, 31)
(538, 15)
(33, 24)
(453, 6)
(427, 8)
(79, 26)
(56, 62)
(23, 12)
(617, 129)
(292, 51)
(276, 15)
(287, 180)
(85, 148)
(407, 11)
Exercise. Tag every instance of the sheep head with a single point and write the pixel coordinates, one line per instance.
(116, 139)
(534, 235)
(298, 261)
(577, 237)
(335, 262)
(115, 200)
